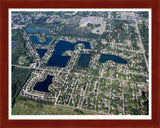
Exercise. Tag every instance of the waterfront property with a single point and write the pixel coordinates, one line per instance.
(93, 65)
(60, 61)
(116, 59)
(43, 85)
(35, 40)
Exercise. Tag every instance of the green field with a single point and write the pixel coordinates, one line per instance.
(20, 51)
(19, 76)
(29, 107)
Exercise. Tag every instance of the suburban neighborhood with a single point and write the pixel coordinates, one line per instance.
(94, 61)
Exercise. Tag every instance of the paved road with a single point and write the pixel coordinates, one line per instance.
(82, 109)
(66, 72)
(141, 45)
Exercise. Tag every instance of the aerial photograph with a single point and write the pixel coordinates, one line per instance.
(66, 62)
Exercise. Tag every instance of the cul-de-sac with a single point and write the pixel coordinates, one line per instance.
(80, 62)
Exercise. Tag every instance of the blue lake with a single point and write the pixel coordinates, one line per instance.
(86, 44)
(28, 58)
(35, 30)
(41, 52)
(35, 40)
(43, 85)
(84, 60)
(116, 59)
(61, 61)
(57, 23)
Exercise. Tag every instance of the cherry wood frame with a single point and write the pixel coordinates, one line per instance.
(4, 83)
